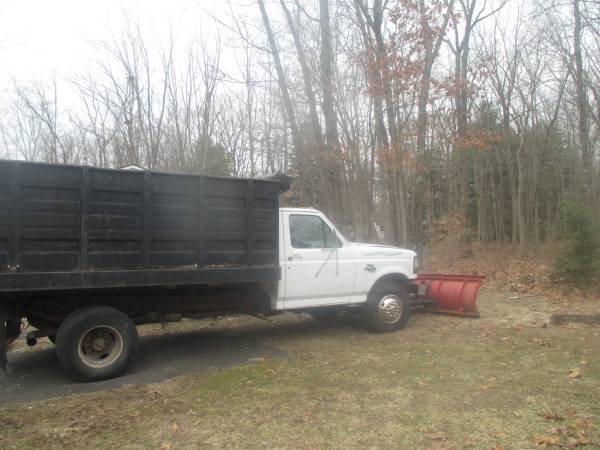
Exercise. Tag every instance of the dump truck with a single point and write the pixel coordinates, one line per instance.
(87, 254)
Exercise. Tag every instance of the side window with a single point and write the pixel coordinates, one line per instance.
(308, 231)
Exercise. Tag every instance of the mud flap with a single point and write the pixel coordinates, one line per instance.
(449, 294)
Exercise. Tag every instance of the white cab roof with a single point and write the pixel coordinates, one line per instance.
(299, 210)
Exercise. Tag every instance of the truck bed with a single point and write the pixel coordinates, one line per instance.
(77, 227)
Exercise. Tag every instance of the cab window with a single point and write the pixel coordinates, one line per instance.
(308, 231)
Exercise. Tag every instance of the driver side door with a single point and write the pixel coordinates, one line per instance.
(319, 268)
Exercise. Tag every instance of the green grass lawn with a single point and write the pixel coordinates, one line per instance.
(504, 381)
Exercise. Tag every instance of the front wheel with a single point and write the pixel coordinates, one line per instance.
(387, 308)
(96, 343)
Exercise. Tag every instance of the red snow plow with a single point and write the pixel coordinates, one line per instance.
(449, 294)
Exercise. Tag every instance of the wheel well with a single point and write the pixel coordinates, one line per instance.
(397, 278)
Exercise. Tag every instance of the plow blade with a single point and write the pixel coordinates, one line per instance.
(450, 294)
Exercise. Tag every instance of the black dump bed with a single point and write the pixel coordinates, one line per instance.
(72, 227)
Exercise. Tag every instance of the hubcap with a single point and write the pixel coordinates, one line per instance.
(100, 346)
(390, 309)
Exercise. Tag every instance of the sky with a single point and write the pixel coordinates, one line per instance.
(41, 37)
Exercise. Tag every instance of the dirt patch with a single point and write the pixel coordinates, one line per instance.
(510, 380)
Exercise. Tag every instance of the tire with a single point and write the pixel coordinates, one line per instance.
(96, 343)
(387, 308)
(324, 314)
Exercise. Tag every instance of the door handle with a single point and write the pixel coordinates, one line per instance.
(370, 268)
(294, 257)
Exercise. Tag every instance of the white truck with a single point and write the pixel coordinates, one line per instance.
(87, 254)
(323, 272)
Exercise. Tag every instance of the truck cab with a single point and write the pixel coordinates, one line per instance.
(320, 268)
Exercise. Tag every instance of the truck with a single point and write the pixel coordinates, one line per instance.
(87, 254)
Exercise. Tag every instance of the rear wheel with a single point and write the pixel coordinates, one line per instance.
(387, 308)
(96, 343)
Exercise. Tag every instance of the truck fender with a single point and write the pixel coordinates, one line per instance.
(395, 275)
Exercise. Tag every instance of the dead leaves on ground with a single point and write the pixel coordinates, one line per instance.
(490, 384)
(506, 269)
(168, 445)
(570, 436)
(575, 373)
(546, 441)
(550, 415)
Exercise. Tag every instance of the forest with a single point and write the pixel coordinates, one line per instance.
(408, 119)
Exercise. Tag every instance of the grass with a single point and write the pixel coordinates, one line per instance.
(443, 382)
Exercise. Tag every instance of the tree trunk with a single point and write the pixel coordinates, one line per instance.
(329, 113)
(582, 106)
(306, 78)
(287, 101)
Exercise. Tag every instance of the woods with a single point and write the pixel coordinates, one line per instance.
(477, 118)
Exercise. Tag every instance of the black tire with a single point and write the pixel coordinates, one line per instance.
(387, 300)
(96, 343)
(324, 314)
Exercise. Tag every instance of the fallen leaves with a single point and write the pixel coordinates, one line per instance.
(490, 384)
(580, 425)
(572, 436)
(575, 373)
(550, 415)
(500, 435)
(506, 270)
(174, 427)
(546, 441)
(580, 442)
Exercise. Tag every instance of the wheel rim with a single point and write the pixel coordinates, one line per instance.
(100, 346)
(390, 309)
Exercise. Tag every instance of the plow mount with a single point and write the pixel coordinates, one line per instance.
(446, 294)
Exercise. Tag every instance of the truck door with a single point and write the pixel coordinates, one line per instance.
(319, 265)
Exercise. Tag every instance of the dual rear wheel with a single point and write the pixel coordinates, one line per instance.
(96, 343)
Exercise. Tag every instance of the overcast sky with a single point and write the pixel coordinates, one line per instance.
(38, 37)
(41, 37)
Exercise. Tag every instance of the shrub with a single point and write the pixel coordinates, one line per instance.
(580, 258)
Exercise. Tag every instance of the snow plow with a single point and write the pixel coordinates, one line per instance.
(446, 294)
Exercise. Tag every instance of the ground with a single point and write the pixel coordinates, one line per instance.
(510, 380)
